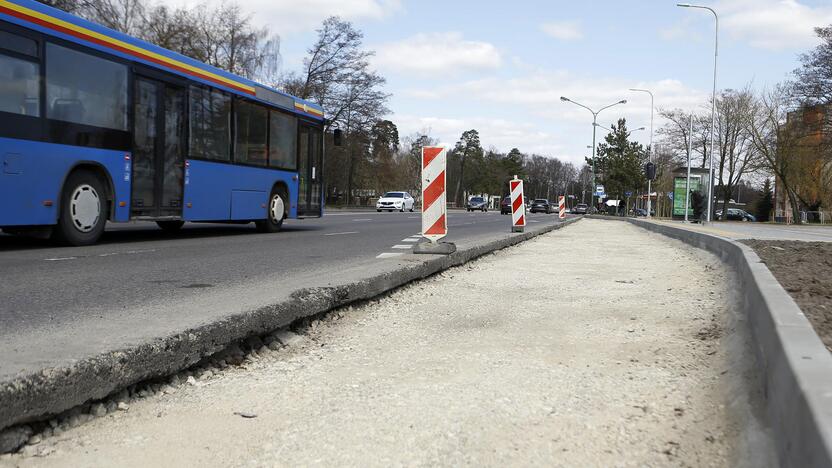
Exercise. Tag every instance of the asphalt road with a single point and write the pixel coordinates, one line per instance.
(139, 282)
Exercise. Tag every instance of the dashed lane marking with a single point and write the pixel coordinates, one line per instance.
(390, 255)
(410, 239)
(108, 254)
(341, 233)
(402, 246)
(363, 219)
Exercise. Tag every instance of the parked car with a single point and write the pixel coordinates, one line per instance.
(541, 205)
(398, 201)
(505, 206)
(580, 208)
(736, 214)
(477, 203)
(639, 212)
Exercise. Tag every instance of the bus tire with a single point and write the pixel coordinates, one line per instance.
(83, 211)
(275, 212)
(171, 225)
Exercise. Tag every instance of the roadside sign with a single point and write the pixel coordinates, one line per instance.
(562, 207)
(599, 190)
(518, 205)
(628, 194)
(434, 219)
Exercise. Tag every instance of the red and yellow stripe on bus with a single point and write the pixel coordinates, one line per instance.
(55, 24)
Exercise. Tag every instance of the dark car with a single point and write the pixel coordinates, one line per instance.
(580, 208)
(736, 214)
(505, 206)
(541, 205)
(477, 203)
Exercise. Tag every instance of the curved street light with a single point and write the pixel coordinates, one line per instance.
(650, 150)
(713, 104)
(594, 125)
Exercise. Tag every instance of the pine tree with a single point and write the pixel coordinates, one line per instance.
(764, 205)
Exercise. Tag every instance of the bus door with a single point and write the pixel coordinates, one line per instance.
(158, 149)
(310, 149)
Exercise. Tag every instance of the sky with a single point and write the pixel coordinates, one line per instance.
(501, 66)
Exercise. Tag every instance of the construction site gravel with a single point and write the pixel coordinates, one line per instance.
(547, 353)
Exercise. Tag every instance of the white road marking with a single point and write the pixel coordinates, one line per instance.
(402, 247)
(413, 217)
(363, 219)
(533, 221)
(108, 254)
(341, 233)
(410, 239)
(389, 255)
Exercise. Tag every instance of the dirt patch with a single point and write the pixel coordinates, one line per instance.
(805, 271)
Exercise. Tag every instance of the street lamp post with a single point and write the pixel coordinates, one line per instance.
(594, 124)
(650, 152)
(713, 104)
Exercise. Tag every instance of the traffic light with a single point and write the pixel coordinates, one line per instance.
(650, 171)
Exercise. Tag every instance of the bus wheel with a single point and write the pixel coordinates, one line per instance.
(83, 210)
(170, 226)
(276, 213)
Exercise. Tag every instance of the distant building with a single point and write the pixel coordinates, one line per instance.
(812, 123)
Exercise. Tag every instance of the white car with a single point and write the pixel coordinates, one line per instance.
(399, 201)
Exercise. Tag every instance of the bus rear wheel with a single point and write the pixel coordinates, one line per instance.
(83, 211)
(170, 226)
(276, 213)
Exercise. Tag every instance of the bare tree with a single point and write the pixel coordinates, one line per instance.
(337, 74)
(777, 141)
(675, 135)
(736, 156)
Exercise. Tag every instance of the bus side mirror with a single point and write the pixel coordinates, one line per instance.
(336, 137)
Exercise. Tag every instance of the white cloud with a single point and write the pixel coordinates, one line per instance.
(286, 17)
(527, 113)
(445, 53)
(766, 24)
(775, 24)
(563, 30)
(499, 133)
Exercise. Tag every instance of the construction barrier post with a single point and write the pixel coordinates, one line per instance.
(562, 207)
(518, 205)
(434, 205)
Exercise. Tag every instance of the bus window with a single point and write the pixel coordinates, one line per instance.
(283, 131)
(252, 121)
(210, 124)
(19, 86)
(84, 89)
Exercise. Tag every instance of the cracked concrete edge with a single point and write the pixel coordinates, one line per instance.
(796, 364)
(37, 396)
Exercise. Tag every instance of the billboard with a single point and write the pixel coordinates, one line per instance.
(679, 184)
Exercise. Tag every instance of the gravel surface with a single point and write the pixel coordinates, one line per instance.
(549, 353)
(805, 271)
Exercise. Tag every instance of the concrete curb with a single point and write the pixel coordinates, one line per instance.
(797, 366)
(51, 391)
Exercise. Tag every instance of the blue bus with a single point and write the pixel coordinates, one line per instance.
(98, 126)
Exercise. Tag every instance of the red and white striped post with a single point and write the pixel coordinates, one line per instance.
(434, 207)
(562, 207)
(518, 205)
